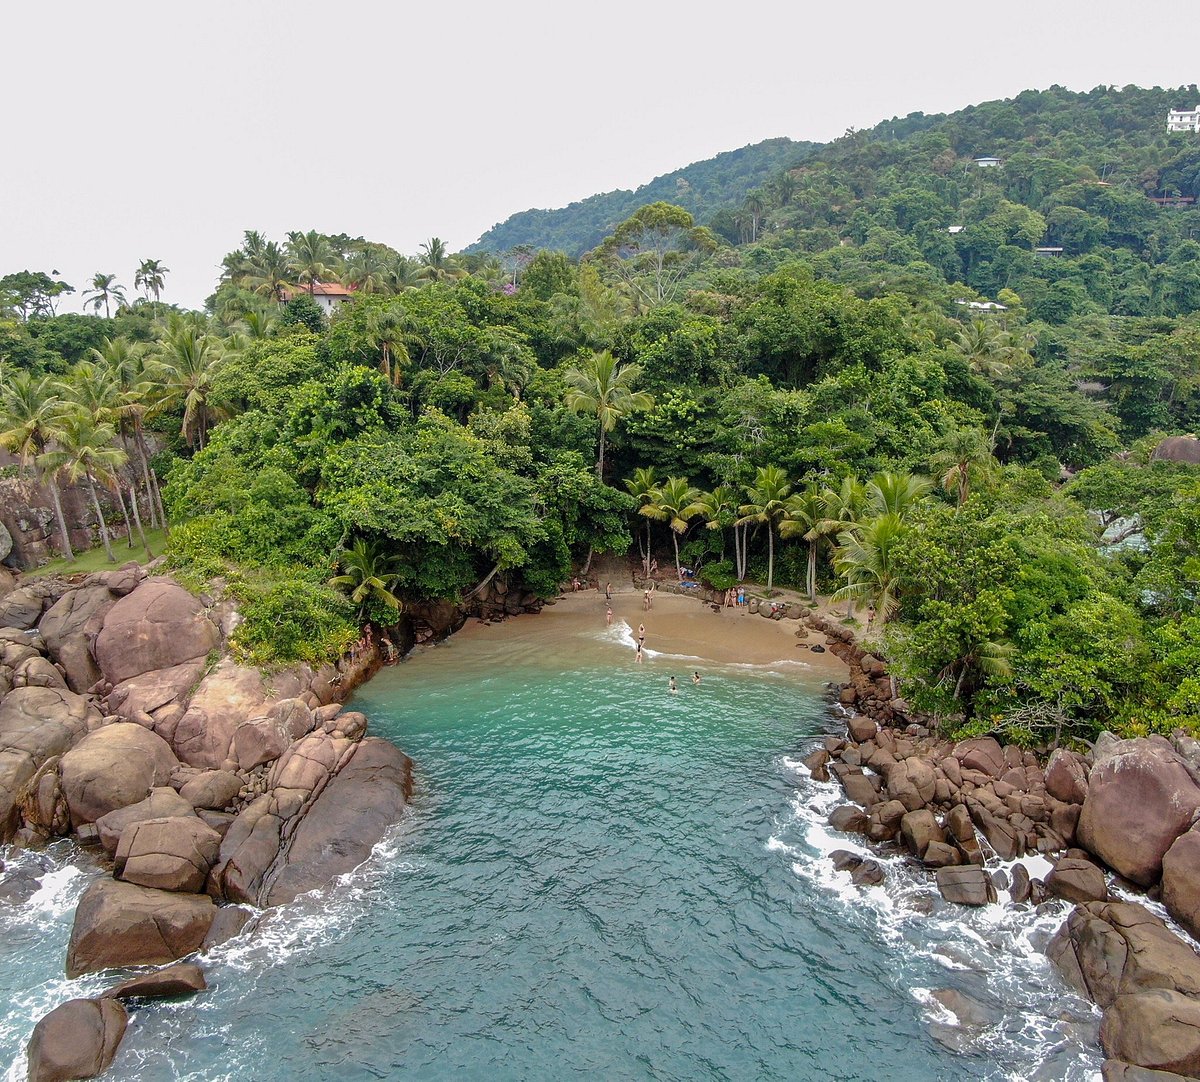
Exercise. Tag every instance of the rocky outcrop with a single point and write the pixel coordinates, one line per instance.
(167, 854)
(1181, 881)
(122, 924)
(1140, 798)
(78, 1039)
(113, 767)
(171, 982)
(157, 626)
(70, 627)
(1076, 880)
(1159, 1029)
(162, 803)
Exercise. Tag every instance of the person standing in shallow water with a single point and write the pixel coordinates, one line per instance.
(696, 678)
(608, 616)
(673, 686)
(639, 653)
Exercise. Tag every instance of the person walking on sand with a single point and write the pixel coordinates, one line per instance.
(608, 616)
(696, 678)
(673, 686)
(608, 591)
(645, 601)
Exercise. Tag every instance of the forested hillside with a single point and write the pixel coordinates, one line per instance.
(817, 405)
(701, 188)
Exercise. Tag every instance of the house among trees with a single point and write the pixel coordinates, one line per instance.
(1048, 252)
(329, 295)
(1175, 201)
(989, 163)
(1184, 119)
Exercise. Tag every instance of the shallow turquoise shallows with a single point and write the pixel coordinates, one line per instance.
(600, 879)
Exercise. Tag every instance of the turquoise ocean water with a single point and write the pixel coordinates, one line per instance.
(597, 879)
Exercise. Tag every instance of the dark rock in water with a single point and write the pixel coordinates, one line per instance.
(999, 879)
(1159, 1029)
(816, 764)
(1076, 881)
(227, 924)
(184, 979)
(1019, 891)
(868, 874)
(817, 648)
(18, 887)
(1114, 1070)
(120, 924)
(844, 860)
(857, 785)
(851, 756)
(77, 1039)
(965, 885)
(849, 818)
(968, 1010)
(941, 855)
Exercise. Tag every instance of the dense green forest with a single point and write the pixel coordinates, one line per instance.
(702, 189)
(810, 404)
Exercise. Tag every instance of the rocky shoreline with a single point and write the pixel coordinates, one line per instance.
(210, 790)
(1123, 818)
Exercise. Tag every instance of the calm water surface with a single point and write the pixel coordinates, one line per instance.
(597, 879)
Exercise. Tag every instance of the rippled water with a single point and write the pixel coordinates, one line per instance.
(601, 879)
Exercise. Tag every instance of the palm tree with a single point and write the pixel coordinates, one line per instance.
(754, 207)
(387, 330)
(30, 415)
(671, 503)
(150, 278)
(265, 270)
(807, 518)
(865, 559)
(718, 508)
(767, 505)
(896, 493)
(259, 323)
(991, 351)
(964, 451)
(310, 258)
(84, 449)
(367, 270)
(188, 359)
(642, 486)
(604, 389)
(104, 290)
(403, 274)
(988, 658)
(367, 576)
(437, 264)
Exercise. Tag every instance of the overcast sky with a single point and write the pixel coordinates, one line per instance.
(163, 130)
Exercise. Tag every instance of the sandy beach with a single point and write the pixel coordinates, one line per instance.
(678, 626)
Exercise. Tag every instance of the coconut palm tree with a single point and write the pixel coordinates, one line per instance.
(387, 330)
(30, 415)
(368, 577)
(104, 291)
(718, 508)
(437, 265)
(150, 278)
(671, 503)
(264, 270)
(767, 505)
(642, 486)
(603, 388)
(311, 258)
(85, 450)
(896, 493)
(188, 358)
(964, 452)
(806, 518)
(865, 558)
(367, 270)
(403, 274)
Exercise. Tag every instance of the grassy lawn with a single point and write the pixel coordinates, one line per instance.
(96, 560)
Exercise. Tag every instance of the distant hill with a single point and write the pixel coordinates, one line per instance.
(702, 188)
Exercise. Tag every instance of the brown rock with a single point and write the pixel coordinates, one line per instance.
(151, 693)
(816, 764)
(1140, 799)
(120, 924)
(1019, 889)
(912, 782)
(939, 854)
(1066, 776)
(983, 754)
(1113, 1070)
(69, 627)
(965, 885)
(162, 803)
(1159, 1029)
(918, 829)
(112, 767)
(867, 874)
(861, 728)
(156, 626)
(226, 697)
(857, 785)
(183, 979)
(212, 789)
(1076, 881)
(78, 1039)
(849, 818)
(1181, 881)
(168, 854)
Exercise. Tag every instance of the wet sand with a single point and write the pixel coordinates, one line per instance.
(678, 626)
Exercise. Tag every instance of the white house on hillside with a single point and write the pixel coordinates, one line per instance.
(989, 163)
(1184, 119)
(329, 295)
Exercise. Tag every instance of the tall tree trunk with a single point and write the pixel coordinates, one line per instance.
(124, 512)
(600, 457)
(144, 462)
(162, 514)
(678, 572)
(648, 549)
(100, 518)
(812, 571)
(67, 551)
(137, 518)
(770, 558)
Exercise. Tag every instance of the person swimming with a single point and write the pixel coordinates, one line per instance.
(673, 686)
(695, 678)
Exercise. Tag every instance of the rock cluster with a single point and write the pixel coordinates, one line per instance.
(206, 783)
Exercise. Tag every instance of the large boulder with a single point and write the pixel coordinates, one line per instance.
(183, 979)
(162, 803)
(350, 816)
(69, 628)
(1140, 799)
(167, 854)
(1159, 1029)
(1076, 880)
(112, 767)
(78, 1039)
(121, 924)
(226, 697)
(35, 725)
(212, 789)
(1181, 880)
(1114, 1070)
(1109, 949)
(920, 829)
(912, 782)
(149, 692)
(965, 885)
(1178, 449)
(22, 608)
(156, 626)
(981, 753)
